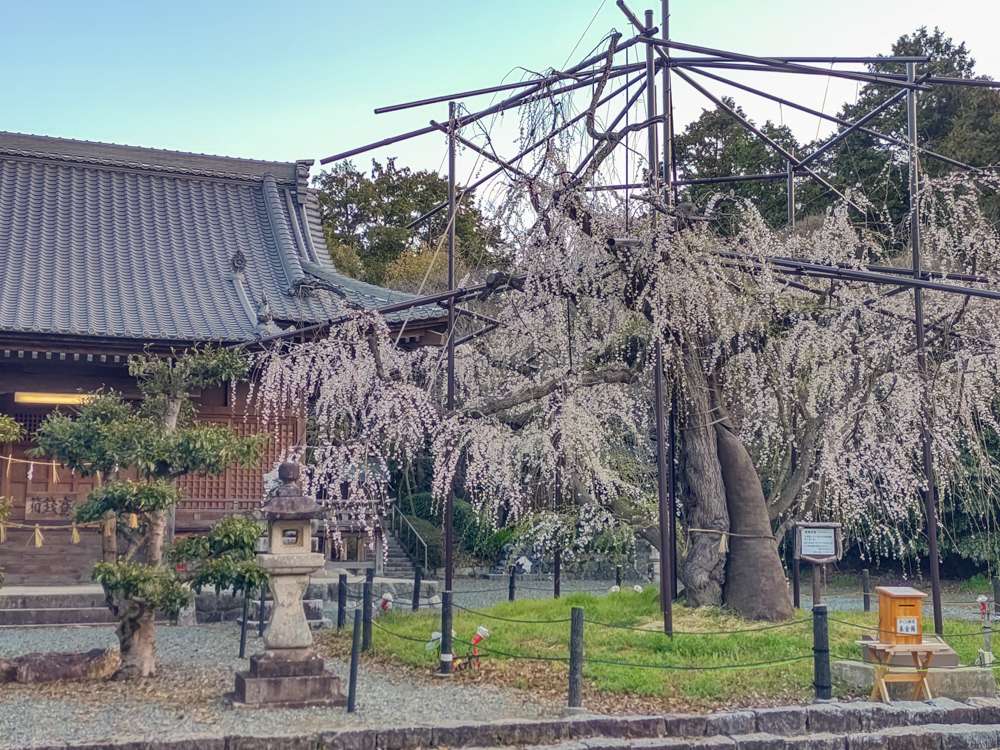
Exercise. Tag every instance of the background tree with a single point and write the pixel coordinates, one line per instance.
(139, 453)
(716, 145)
(364, 219)
(956, 121)
(959, 122)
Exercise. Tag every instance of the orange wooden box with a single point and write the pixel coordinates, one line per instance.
(900, 614)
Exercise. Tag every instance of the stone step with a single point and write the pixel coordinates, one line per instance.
(51, 601)
(56, 616)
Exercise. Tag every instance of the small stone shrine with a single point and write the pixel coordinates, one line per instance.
(289, 674)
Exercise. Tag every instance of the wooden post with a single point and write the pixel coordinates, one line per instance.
(513, 583)
(821, 654)
(618, 576)
(260, 612)
(341, 601)
(817, 582)
(557, 573)
(576, 660)
(352, 692)
(243, 628)
(797, 584)
(416, 587)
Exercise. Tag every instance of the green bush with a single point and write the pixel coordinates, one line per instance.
(432, 535)
(422, 506)
(473, 533)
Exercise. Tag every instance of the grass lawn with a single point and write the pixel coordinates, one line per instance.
(694, 646)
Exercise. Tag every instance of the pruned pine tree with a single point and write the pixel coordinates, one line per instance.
(155, 442)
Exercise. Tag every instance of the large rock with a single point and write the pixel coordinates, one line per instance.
(99, 664)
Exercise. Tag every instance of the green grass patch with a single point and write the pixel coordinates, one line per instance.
(708, 668)
(978, 584)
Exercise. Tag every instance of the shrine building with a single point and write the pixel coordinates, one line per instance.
(106, 250)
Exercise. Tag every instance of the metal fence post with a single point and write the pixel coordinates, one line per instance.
(575, 703)
(512, 586)
(366, 611)
(821, 654)
(341, 601)
(865, 588)
(352, 691)
(557, 572)
(416, 587)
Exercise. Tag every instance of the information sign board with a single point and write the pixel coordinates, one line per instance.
(818, 542)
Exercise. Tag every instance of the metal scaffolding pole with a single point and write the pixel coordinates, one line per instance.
(668, 530)
(666, 603)
(791, 194)
(668, 135)
(653, 152)
(449, 503)
(930, 509)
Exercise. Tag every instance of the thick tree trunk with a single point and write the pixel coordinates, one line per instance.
(109, 538)
(703, 572)
(156, 527)
(755, 580)
(173, 413)
(137, 639)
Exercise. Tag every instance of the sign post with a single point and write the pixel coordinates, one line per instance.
(818, 543)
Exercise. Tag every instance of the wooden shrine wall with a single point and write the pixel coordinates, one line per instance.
(43, 494)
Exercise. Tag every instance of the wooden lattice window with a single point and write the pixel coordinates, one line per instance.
(239, 483)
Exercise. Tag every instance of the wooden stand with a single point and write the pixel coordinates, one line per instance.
(881, 658)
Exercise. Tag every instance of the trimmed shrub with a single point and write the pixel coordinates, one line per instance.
(434, 538)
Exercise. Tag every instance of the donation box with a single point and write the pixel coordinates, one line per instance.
(900, 614)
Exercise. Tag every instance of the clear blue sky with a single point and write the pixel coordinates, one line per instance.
(290, 80)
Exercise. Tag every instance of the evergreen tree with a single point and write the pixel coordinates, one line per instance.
(716, 145)
(365, 218)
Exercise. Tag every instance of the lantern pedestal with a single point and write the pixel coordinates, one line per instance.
(289, 674)
(289, 678)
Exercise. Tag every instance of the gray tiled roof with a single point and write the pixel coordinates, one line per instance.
(124, 242)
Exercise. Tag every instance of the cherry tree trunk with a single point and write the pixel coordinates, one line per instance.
(755, 581)
(703, 572)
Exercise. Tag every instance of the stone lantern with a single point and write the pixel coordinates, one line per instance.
(289, 673)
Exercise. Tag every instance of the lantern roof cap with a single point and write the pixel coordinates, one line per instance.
(286, 501)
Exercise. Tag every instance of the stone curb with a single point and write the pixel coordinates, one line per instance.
(939, 724)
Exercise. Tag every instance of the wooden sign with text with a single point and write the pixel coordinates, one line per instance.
(818, 542)
(56, 506)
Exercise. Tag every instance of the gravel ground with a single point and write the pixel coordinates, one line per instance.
(953, 606)
(195, 667)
